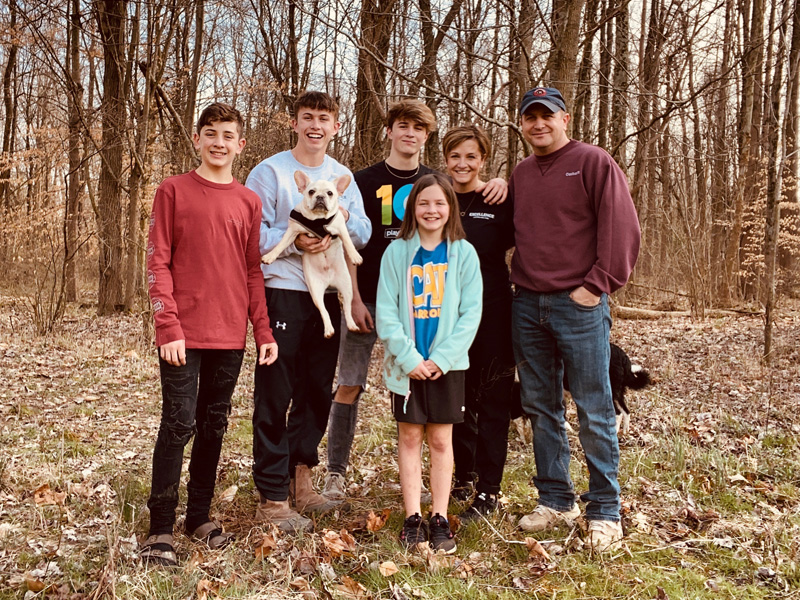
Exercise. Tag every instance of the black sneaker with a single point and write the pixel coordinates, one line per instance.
(483, 504)
(415, 531)
(441, 536)
(462, 490)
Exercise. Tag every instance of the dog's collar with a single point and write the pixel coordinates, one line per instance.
(315, 226)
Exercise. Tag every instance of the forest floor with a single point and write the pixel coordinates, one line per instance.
(710, 480)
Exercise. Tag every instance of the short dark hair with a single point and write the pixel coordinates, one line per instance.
(453, 230)
(219, 111)
(316, 101)
(412, 110)
(457, 135)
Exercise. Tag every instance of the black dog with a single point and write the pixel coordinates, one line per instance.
(623, 374)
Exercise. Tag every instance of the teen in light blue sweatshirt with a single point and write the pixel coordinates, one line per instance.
(428, 310)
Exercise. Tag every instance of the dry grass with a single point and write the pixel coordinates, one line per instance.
(710, 477)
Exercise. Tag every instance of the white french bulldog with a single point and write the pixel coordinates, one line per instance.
(319, 215)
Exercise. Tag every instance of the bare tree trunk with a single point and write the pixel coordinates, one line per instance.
(753, 51)
(581, 111)
(519, 77)
(562, 62)
(9, 104)
(111, 16)
(604, 77)
(376, 27)
(74, 175)
(774, 183)
(619, 105)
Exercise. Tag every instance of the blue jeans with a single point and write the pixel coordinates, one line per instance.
(552, 334)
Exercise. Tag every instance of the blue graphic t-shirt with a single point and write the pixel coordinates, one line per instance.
(428, 274)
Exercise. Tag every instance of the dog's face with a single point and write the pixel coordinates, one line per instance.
(321, 197)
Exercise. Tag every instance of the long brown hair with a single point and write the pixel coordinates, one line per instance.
(453, 230)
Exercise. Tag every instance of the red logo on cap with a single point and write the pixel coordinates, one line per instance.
(540, 92)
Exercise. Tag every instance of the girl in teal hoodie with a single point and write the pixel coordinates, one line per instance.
(427, 313)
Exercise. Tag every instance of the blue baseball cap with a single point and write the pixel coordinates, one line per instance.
(546, 96)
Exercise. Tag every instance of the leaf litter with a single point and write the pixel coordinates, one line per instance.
(79, 413)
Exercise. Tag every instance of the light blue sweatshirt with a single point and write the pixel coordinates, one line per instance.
(273, 180)
(458, 321)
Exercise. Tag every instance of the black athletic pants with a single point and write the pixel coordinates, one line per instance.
(480, 443)
(300, 382)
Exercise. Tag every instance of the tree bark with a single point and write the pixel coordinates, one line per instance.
(111, 16)
(10, 106)
(376, 26)
(74, 175)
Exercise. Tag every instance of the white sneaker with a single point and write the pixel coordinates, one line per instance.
(604, 535)
(543, 518)
(335, 487)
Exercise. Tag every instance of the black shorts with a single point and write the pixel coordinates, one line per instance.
(432, 401)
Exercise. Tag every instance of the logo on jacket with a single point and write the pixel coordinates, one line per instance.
(280, 325)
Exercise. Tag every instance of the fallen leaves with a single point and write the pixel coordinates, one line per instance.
(44, 496)
(340, 543)
(267, 546)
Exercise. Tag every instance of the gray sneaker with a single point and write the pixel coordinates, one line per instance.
(335, 487)
(543, 518)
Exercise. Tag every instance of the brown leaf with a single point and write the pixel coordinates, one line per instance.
(206, 587)
(267, 546)
(195, 561)
(375, 522)
(338, 543)
(661, 595)
(388, 568)
(535, 549)
(439, 560)
(44, 496)
(351, 589)
(300, 584)
(34, 584)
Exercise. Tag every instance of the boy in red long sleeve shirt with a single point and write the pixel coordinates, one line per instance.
(204, 273)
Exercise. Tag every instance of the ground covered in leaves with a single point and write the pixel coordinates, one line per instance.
(710, 479)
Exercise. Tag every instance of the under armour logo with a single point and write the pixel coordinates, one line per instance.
(280, 325)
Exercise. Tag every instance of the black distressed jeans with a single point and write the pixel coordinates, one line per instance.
(196, 400)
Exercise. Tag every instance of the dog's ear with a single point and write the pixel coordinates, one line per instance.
(341, 183)
(302, 181)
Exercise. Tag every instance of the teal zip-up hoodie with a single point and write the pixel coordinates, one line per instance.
(458, 320)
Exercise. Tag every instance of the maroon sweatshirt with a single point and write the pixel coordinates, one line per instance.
(204, 266)
(574, 221)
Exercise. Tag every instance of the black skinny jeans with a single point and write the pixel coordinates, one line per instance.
(196, 400)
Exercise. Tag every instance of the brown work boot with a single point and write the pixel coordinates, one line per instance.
(303, 496)
(279, 513)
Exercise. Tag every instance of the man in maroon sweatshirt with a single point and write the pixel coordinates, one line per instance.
(577, 239)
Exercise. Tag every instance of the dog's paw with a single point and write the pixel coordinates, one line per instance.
(356, 259)
(351, 325)
(268, 259)
(328, 333)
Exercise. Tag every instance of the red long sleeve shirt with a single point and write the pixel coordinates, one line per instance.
(204, 265)
(574, 222)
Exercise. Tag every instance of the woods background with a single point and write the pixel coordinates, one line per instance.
(697, 100)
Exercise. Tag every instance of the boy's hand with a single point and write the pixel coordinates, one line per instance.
(494, 191)
(174, 353)
(267, 353)
(310, 243)
(362, 317)
(420, 371)
(345, 213)
(434, 369)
